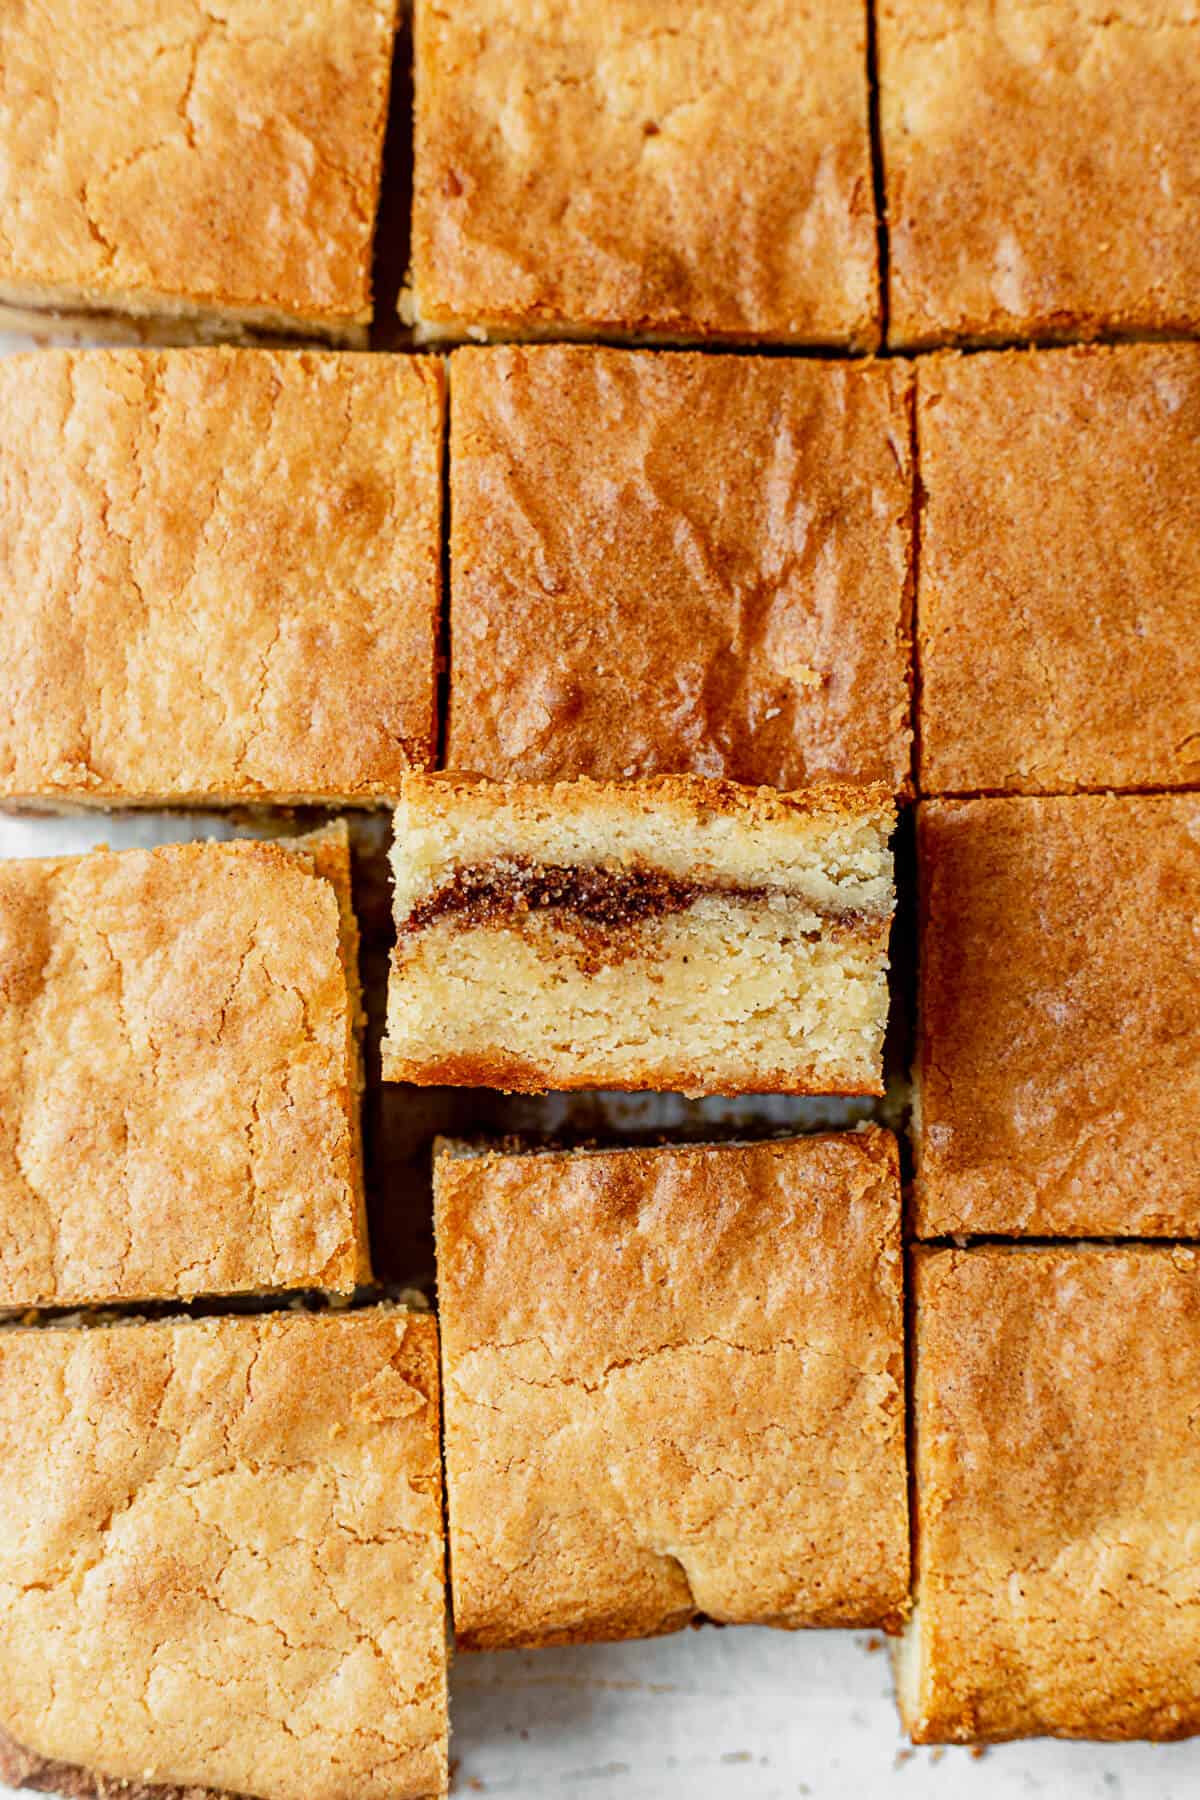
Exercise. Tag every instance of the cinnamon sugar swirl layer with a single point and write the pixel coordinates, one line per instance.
(669, 933)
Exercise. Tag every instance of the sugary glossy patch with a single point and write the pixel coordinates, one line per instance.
(667, 564)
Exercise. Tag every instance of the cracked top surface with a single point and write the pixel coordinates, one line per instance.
(221, 1553)
(666, 564)
(673, 1384)
(178, 1074)
(221, 158)
(219, 573)
(1058, 1045)
(1042, 167)
(1057, 1463)
(645, 167)
(1059, 604)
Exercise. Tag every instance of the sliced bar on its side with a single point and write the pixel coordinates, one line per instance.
(671, 933)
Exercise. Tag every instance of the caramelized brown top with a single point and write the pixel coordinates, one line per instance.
(679, 564)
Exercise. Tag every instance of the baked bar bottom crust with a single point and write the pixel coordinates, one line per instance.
(21, 1768)
(431, 332)
(162, 319)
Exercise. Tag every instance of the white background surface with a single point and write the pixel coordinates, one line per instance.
(750, 1714)
(737, 1714)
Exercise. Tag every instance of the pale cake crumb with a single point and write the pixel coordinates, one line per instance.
(671, 933)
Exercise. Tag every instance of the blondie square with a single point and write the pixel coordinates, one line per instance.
(674, 1385)
(1057, 1467)
(1059, 604)
(218, 167)
(1042, 168)
(221, 1558)
(1057, 1079)
(219, 575)
(669, 564)
(679, 169)
(669, 933)
(179, 1074)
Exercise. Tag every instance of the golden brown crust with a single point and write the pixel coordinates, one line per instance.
(1015, 209)
(598, 1311)
(697, 795)
(221, 1562)
(507, 1074)
(1058, 1051)
(648, 168)
(517, 1075)
(158, 157)
(1057, 1465)
(180, 1074)
(219, 574)
(1055, 654)
(672, 563)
